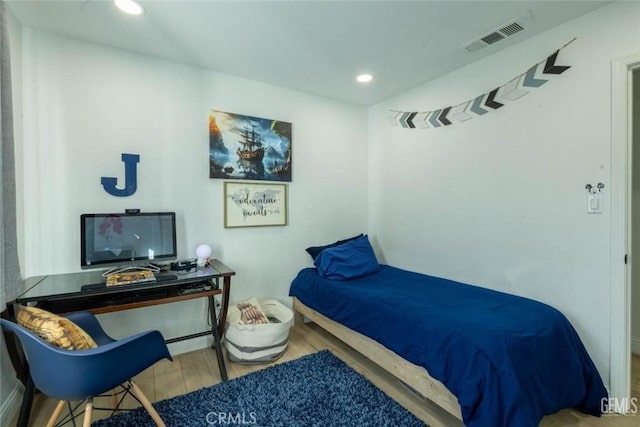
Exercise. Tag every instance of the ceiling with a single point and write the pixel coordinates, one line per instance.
(312, 46)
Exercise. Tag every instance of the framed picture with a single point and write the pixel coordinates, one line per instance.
(246, 147)
(248, 204)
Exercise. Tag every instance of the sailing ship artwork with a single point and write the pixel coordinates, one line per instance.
(246, 147)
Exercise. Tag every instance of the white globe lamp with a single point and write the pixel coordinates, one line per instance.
(203, 252)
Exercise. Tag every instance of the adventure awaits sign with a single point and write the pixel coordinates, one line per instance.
(515, 89)
(254, 204)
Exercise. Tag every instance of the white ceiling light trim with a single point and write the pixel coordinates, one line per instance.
(130, 7)
(364, 78)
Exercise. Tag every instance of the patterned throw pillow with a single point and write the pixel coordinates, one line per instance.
(54, 329)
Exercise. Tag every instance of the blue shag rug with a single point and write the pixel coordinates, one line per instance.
(315, 390)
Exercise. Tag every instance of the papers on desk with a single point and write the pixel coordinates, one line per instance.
(117, 279)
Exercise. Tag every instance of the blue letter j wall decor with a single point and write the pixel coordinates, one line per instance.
(130, 177)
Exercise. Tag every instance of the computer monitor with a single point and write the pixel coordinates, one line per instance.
(126, 240)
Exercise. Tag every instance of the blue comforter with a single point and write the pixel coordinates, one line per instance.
(509, 360)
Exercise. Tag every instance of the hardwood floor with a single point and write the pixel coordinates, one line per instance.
(194, 370)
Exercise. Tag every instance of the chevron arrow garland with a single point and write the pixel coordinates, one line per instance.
(515, 89)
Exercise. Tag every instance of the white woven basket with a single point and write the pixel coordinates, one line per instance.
(262, 343)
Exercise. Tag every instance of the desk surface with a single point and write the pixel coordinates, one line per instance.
(67, 286)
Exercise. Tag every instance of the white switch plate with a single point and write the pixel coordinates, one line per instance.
(594, 203)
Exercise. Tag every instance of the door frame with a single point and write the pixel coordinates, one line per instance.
(621, 167)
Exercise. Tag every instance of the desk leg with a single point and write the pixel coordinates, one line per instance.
(27, 401)
(14, 347)
(216, 339)
(225, 304)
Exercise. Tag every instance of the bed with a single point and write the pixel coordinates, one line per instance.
(489, 358)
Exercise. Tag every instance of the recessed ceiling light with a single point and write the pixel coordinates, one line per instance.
(364, 78)
(130, 7)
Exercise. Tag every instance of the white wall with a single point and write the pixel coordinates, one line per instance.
(85, 104)
(500, 200)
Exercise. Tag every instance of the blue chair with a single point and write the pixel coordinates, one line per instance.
(70, 375)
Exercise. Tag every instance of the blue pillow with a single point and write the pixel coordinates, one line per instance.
(314, 251)
(347, 261)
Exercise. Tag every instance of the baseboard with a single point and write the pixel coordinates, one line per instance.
(11, 405)
(635, 345)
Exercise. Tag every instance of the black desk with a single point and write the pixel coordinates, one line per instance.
(65, 293)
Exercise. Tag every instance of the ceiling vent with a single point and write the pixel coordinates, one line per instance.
(495, 36)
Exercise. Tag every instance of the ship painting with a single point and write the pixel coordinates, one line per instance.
(251, 145)
(246, 147)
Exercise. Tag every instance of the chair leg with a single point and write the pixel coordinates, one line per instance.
(56, 414)
(147, 405)
(87, 413)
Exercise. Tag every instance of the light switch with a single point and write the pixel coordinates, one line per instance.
(594, 203)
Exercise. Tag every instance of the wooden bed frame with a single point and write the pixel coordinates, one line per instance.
(412, 375)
